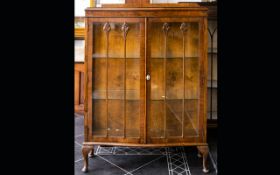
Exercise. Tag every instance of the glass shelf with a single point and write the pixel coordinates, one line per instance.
(100, 57)
(175, 99)
(116, 94)
(174, 57)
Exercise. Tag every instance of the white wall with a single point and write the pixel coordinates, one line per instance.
(79, 50)
(80, 6)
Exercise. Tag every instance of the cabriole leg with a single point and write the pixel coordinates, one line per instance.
(204, 151)
(86, 149)
(91, 153)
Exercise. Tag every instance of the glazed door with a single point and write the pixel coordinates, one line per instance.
(175, 81)
(118, 80)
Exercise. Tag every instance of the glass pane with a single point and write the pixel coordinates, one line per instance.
(99, 83)
(156, 118)
(99, 117)
(174, 117)
(116, 41)
(132, 79)
(133, 41)
(115, 118)
(191, 78)
(99, 97)
(192, 40)
(133, 97)
(174, 79)
(116, 97)
(157, 79)
(191, 118)
(99, 41)
(116, 79)
(174, 90)
(132, 118)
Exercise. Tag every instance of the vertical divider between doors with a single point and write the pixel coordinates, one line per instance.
(146, 71)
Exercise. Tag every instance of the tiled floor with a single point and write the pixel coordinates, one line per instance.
(143, 161)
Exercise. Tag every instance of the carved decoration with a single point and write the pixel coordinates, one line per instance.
(183, 27)
(125, 29)
(106, 27)
(165, 28)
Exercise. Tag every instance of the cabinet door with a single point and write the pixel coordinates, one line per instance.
(176, 90)
(118, 76)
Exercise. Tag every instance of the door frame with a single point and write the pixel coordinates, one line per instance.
(202, 81)
(88, 122)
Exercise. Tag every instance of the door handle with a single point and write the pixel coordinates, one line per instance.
(148, 77)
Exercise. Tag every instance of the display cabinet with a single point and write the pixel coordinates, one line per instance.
(146, 77)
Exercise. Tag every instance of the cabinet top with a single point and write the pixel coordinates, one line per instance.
(151, 10)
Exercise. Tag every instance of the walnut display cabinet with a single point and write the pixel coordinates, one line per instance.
(145, 74)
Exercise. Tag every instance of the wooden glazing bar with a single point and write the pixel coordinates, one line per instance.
(183, 29)
(165, 29)
(146, 66)
(124, 29)
(107, 28)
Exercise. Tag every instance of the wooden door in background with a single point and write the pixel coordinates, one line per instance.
(79, 87)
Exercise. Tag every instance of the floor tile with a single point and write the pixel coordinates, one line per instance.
(79, 140)
(79, 126)
(98, 166)
(78, 152)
